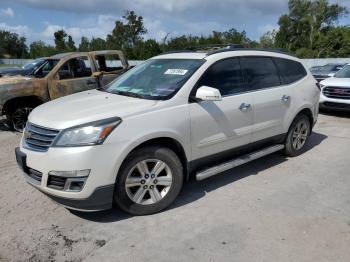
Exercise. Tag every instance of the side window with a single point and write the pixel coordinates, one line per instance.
(260, 72)
(224, 75)
(75, 68)
(291, 71)
(108, 63)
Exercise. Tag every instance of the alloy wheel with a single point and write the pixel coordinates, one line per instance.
(148, 182)
(300, 135)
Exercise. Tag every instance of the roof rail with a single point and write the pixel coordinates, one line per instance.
(273, 50)
(206, 48)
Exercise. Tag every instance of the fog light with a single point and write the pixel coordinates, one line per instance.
(76, 185)
(74, 173)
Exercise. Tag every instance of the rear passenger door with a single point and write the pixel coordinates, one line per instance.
(111, 63)
(219, 126)
(270, 98)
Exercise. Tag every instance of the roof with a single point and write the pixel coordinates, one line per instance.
(182, 55)
(62, 55)
(224, 53)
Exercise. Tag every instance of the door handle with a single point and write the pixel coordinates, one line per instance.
(285, 98)
(244, 107)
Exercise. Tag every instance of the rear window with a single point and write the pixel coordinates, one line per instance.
(291, 71)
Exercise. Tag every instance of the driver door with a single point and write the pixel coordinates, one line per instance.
(75, 75)
(220, 126)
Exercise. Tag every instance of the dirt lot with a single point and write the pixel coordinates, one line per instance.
(274, 209)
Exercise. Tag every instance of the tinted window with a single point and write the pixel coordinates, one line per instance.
(291, 71)
(260, 72)
(224, 75)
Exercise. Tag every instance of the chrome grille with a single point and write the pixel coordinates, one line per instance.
(336, 92)
(39, 138)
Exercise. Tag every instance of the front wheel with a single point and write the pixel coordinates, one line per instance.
(18, 118)
(149, 181)
(297, 136)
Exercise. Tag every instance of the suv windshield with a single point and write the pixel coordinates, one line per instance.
(34, 64)
(46, 68)
(155, 79)
(344, 73)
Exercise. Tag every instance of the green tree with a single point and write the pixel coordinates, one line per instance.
(60, 40)
(71, 44)
(12, 45)
(40, 49)
(97, 44)
(267, 40)
(84, 44)
(126, 33)
(304, 25)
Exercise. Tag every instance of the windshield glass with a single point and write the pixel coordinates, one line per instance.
(33, 64)
(344, 73)
(330, 68)
(155, 78)
(46, 68)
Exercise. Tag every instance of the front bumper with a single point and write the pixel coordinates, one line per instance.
(93, 197)
(334, 104)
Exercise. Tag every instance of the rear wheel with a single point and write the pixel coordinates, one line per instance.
(149, 181)
(298, 135)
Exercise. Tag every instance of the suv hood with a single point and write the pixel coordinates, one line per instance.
(338, 82)
(87, 107)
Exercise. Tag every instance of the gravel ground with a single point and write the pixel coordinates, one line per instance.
(274, 209)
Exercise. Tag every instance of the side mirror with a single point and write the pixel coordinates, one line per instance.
(331, 74)
(97, 74)
(206, 93)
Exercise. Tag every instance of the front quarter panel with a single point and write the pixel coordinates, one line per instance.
(171, 122)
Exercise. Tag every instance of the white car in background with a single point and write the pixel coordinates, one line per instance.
(336, 91)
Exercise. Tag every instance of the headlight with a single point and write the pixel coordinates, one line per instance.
(89, 134)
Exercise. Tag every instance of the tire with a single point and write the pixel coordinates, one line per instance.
(137, 186)
(19, 116)
(297, 136)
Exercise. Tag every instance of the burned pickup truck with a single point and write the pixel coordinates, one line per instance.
(58, 76)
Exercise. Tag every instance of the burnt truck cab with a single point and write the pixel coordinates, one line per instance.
(58, 76)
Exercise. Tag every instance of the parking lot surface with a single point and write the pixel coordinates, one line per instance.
(273, 209)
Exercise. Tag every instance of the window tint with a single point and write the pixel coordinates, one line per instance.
(260, 72)
(291, 71)
(224, 75)
(75, 68)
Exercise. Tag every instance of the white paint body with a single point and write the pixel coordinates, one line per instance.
(203, 129)
(335, 82)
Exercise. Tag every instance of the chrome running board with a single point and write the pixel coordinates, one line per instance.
(215, 170)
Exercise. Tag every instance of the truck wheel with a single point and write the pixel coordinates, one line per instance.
(149, 181)
(297, 136)
(18, 118)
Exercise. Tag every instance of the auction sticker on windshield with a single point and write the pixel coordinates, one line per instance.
(180, 72)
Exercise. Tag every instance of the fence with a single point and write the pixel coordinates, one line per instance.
(27, 61)
(307, 62)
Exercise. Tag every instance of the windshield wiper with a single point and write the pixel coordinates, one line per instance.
(126, 93)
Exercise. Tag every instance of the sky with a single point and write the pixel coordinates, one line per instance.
(39, 19)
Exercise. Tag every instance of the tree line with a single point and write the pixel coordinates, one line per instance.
(310, 29)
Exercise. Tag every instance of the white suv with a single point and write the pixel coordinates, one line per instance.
(135, 141)
(336, 91)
